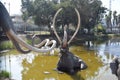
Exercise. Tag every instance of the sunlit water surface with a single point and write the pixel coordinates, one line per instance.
(40, 66)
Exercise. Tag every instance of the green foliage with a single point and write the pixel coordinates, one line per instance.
(100, 35)
(101, 38)
(99, 29)
(6, 45)
(42, 11)
(91, 12)
(4, 74)
(29, 42)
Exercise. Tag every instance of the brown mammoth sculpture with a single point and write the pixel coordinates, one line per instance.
(68, 62)
(7, 25)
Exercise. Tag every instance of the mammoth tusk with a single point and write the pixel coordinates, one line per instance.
(20, 41)
(53, 26)
(7, 26)
(78, 26)
(18, 46)
(44, 42)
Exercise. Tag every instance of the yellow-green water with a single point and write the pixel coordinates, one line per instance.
(40, 66)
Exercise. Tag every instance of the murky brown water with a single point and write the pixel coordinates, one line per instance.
(40, 66)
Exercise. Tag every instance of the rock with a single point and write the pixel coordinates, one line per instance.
(46, 72)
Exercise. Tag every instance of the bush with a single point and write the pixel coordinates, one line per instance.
(99, 29)
(4, 74)
(6, 45)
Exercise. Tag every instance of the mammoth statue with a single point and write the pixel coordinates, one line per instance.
(68, 62)
(115, 67)
(8, 28)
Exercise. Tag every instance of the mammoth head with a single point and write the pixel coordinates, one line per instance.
(7, 26)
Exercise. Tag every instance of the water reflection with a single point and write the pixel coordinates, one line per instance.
(11, 64)
(35, 66)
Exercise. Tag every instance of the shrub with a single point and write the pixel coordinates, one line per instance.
(4, 74)
(6, 45)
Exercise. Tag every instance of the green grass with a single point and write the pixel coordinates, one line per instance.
(29, 42)
(6, 45)
(4, 74)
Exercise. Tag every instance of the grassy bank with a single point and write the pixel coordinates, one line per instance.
(4, 75)
(6, 45)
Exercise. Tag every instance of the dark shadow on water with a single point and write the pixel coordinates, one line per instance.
(77, 77)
